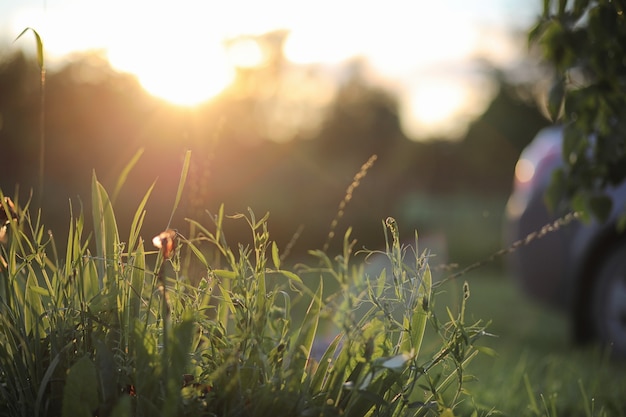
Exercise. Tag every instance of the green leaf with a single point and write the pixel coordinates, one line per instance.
(486, 351)
(39, 290)
(600, 206)
(419, 318)
(34, 306)
(198, 253)
(555, 98)
(80, 395)
(290, 275)
(323, 369)
(224, 273)
(105, 232)
(40, 57)
(137, 279)
(579, 203)
(275, 255)
(90, 283)
(47, 377)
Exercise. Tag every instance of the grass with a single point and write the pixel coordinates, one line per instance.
(460, 218)
(201, 326)
(536, 370)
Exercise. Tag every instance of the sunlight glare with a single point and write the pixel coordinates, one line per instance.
(434, 104)
(186, 74)
(188, 52)
(244, 53)
(181, 57)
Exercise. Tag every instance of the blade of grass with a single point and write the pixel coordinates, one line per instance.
(105, 232)
(138, 218)
(304, 341)
(181, 186)
(124, 175)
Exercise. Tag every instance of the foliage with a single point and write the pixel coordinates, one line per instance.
(584, 41)
(211, 329)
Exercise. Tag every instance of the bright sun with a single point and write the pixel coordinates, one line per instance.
(181, 59)
(185, 74)
(432, 105)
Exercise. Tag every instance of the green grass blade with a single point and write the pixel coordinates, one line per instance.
(275, 255)
(45, 380)
(124, 175)
(306, 336)
(105, 232)
(322, 371)
(40, 56)
(181, 185)
(137, 283)
(140, 213)
(199, 255)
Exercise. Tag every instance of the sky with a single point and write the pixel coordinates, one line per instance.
(428, 52)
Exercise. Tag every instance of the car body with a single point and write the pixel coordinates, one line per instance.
(577, 268)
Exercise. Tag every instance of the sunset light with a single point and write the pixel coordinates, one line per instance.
(187, 74)
(188, 52)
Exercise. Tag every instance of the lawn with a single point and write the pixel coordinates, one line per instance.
(535, 371)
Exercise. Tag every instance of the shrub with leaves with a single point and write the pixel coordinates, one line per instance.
(584, 42)
(201, 328)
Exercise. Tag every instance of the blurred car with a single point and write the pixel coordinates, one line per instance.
(579, 269)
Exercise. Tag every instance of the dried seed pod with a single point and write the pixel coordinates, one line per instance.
(166, 241)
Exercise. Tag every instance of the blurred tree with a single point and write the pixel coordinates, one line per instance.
(19, 100)
(98, 118)
(495, 140)
(584, 41)
(363, 120)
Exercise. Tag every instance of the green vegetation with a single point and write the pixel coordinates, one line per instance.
(200, 327)
(583, 42)
(207, 325)
(536, 371)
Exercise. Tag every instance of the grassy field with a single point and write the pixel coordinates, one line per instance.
(535, 370)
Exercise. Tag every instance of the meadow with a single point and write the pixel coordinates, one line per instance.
(535, 369)
(191, 324)
(200, 326)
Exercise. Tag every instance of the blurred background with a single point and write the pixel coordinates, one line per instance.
(280, 102)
